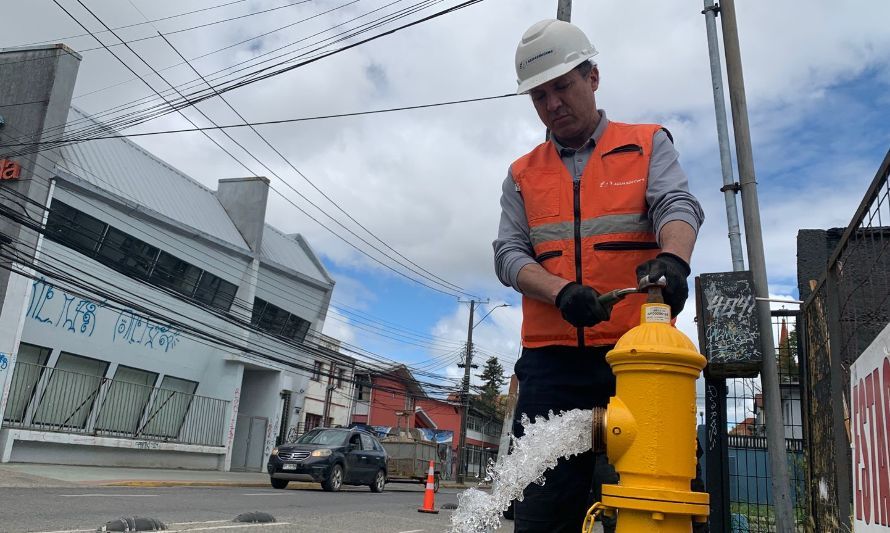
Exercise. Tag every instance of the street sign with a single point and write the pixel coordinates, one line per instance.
(869, 393)
(728, 315)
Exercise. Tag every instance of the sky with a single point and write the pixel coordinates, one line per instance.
(427, 182)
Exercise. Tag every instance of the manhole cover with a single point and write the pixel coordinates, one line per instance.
(134, 523)
(255, 517)
(449, 506)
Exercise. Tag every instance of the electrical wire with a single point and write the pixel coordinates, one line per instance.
(271, 122)
(283, 67)
(195, 82)
(446, 290)
(178, 15)
(247, 306)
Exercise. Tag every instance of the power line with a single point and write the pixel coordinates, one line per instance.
(268, 72)
(235, 272)
(307, 180)
(201, 336)
(273, 122)
(448, 290)
(178, 15)
(187, 251)
(192, 83)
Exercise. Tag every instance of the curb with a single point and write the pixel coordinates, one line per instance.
(148, 484)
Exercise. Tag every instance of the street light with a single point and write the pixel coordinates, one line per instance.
(488, 313)
(465, 390)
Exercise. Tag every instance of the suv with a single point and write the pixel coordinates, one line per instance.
(333, 457)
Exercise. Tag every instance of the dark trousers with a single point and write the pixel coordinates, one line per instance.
(558, 378)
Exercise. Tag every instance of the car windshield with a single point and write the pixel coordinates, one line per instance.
(325, 437)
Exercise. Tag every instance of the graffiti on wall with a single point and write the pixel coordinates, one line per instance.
(62, 310)
(54, 307)
(134, 329)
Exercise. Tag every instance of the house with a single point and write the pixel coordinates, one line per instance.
(391, 401)
(330, 392)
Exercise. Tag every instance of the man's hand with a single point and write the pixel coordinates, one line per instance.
(675, 270)
(580, 306)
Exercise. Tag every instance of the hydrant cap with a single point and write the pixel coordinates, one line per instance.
(663, 341)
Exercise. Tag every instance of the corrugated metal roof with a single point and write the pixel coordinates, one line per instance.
(287, 251)
(122, 168)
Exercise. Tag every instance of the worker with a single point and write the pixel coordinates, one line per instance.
(598, 206)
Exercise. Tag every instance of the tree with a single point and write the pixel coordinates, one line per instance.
(788, 370)
(493, 379)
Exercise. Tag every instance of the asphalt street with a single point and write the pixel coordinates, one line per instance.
(355, 509)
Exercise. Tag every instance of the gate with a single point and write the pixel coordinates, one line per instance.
(735, 464)
(248, 444)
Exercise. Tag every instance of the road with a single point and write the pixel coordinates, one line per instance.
(211, 509)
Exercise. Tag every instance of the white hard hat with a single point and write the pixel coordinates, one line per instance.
(548, 50)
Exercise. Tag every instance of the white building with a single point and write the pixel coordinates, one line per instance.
(329, 396)
(165, 325)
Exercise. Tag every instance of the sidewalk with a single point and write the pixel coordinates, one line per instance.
(43, 475)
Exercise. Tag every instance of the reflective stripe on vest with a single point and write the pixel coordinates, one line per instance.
(595, 233)
(603, 225)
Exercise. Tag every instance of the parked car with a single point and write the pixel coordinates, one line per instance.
(331, 456)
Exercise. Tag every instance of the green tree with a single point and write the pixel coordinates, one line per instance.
(493, 379)
(788, 370)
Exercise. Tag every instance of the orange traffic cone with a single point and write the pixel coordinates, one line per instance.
(429, 497)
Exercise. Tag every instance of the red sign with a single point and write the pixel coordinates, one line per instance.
(10, 170)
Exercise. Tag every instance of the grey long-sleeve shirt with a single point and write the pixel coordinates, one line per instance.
(667, 196)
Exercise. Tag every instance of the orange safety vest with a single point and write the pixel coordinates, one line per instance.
(594, 231)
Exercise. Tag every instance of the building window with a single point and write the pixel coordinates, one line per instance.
(128, 255)
(29, 364)
(124, 405)
(215, 291)
(312, 421)
(316, 371)
(341, 373)
(276, 321)
(175, 274)
(363, 386)
(168, 408)
(71, 392)
(296, 328)
(135, 258)
(74, 229)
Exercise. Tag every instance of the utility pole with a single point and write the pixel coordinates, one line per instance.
(769, 377)
(465, 398)
(717, 451)
(564, 10)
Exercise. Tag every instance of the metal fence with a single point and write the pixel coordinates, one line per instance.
(50, 399)
(749, 493)
(848, 306)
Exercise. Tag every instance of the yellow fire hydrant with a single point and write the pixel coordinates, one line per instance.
(648, 429)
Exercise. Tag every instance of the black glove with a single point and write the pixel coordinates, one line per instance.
(580, 306)
(675, 270)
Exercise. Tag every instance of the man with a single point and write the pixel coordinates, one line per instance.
(596, 208)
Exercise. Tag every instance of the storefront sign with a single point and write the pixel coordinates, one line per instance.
(10, 170)
(869, 394)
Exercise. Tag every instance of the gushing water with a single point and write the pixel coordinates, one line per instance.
(544, 442)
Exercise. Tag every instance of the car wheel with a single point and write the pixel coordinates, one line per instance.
(379, 482)
(278, 483)
(334, 480)
(436, 483)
